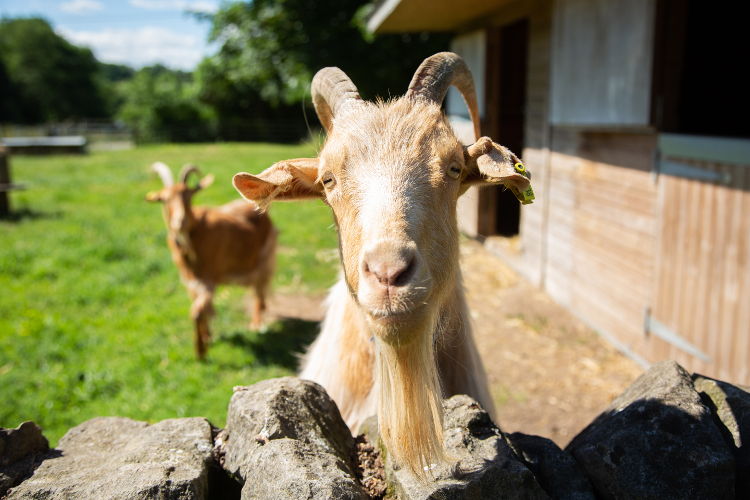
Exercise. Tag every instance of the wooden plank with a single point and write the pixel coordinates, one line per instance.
(631, 255)
(741, 346)
(702, 236)
(737, 238)
(622, 217)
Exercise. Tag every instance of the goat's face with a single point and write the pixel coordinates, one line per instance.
(176, 197)
(392, 174)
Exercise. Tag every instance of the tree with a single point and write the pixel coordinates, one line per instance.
(241, 113)
(162, 105)
(274, 47)
(48, 79)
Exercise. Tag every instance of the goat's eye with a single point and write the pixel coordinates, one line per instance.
(328, 180)
(454, 170)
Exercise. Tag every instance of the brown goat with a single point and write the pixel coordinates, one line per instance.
(397, 334)
(231, 244)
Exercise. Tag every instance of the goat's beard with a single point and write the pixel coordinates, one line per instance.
(410, 412)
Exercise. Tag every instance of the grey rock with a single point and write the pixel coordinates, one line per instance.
(119, 458)
(486, 467)
(656, 441)
(555, 470)
(20, 452)
(26, 439)
(285, 438)
(730, 404)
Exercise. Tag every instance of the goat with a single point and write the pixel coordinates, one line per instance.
(396, 336)
(231, 244)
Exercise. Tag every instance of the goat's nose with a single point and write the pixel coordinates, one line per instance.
(390, 263)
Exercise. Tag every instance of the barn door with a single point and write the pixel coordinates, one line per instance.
(700, 313)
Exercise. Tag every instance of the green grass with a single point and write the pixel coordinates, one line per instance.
(93, 318)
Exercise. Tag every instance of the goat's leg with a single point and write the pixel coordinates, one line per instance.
(259, 307)
(262, 285)
(201, 312)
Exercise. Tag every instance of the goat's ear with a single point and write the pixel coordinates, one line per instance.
(286, 180)
(490, 163)
(153, 196)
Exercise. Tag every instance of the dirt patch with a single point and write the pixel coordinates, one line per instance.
(305, 307)
(549, 374)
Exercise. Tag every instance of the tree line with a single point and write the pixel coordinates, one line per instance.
(255, 87)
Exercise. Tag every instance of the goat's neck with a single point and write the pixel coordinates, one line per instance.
(180, 220)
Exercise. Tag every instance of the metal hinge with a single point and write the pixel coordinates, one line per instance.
(653, 326)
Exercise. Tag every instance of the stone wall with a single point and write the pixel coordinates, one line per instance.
(670, 435)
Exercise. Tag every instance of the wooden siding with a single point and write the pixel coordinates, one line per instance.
(702, 286)
(536, 153)
(601, 226)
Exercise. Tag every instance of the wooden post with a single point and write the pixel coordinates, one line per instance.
(4, 182)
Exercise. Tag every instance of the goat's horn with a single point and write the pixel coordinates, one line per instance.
(331, 92)
(187, 170)
(436, 74)
(162, 170)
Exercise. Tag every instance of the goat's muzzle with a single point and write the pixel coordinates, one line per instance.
(393, 280)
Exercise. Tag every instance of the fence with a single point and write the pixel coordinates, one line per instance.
(100, 134)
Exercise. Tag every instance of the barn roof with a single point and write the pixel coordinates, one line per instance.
(399, 16)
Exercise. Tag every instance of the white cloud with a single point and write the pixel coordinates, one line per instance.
(193, 5)
(142, 46)
(79, 6)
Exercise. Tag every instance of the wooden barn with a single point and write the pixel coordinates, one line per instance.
(633, 118)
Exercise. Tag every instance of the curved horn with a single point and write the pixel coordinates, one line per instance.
(331, 92)
(436, 74)
(162, 170)
(187, 170)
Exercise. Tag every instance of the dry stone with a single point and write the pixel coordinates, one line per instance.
(657, 440)
(20, 451)
(731, 406)
(119, 458)
(555, 470)
(285, 439)
(486, 467)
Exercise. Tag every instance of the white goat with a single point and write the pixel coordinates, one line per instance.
(396, 337)
(231, 244)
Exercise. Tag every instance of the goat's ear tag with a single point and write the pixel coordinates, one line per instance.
(525, 196)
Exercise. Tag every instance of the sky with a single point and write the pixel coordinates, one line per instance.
(133, 32)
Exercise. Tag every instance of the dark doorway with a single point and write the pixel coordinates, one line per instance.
(699, 84)
(507, 56)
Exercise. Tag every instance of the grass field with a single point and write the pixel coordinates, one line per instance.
(93, 318)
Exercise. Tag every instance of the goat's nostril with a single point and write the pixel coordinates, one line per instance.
(390, 273)
(401, 276)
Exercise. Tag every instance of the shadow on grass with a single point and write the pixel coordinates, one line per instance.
(280, 344)
(25, 213)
